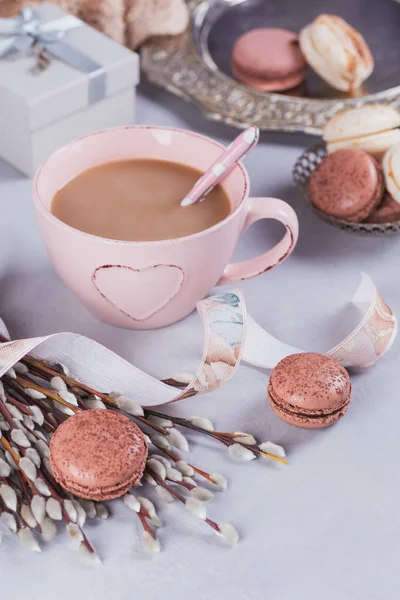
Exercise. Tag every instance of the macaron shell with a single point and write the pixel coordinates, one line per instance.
(391, 170)
(268, 59)
(309, 390)
(347, 184)
(360, 122)
(98, 454)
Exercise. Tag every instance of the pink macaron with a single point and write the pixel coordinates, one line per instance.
(98, 454)
(268, 59)
(309, 390)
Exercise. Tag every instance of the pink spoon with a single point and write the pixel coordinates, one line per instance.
(237, 150)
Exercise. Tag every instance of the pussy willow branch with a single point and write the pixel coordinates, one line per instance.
(225, 438)
(18, 386)
(179, 497)
(175, 458)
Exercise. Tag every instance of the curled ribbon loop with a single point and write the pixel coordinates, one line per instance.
(25, 30)
(374, 335)
(230, 336)
(368, 341)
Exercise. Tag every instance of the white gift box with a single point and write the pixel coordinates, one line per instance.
(42, 110)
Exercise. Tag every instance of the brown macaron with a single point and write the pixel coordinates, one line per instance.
(388, 211)
(98, 454)
(348, 184)
(309, 390)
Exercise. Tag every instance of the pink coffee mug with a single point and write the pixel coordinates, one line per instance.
(143, 285)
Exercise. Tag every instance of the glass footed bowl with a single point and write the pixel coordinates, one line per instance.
(304, 166)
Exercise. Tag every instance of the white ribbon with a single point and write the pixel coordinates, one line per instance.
(230, 335)
(372, 335)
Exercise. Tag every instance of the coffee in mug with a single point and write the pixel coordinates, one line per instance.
(138, 200)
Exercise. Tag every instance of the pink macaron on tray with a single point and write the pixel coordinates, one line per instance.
(252, 62)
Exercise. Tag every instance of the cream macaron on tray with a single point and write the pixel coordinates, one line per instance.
(352, 180)
(350, 50)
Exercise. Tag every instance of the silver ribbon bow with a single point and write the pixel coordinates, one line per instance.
(25, 30)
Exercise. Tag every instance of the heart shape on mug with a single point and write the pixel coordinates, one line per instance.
(138, 293)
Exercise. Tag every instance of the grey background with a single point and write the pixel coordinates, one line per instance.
(324, 527)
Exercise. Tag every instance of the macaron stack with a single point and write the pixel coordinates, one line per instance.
(275, 60)
(359, 179)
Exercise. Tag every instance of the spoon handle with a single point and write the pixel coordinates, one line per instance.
(223, 165)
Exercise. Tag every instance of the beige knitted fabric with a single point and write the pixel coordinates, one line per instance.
(106, 15)
(147, 18)
(128, 22)
(9, 7)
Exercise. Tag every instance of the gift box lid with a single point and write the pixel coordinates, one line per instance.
(42, 97)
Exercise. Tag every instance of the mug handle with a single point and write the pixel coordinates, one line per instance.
(265, 208)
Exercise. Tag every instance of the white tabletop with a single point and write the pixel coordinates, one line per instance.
(326, 527)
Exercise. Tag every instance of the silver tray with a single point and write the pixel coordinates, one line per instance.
(304, 166)
(196, 65)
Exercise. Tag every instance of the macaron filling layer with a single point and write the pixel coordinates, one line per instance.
(292, 410)
(263, 83)
(100, 493)
(360, 50)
